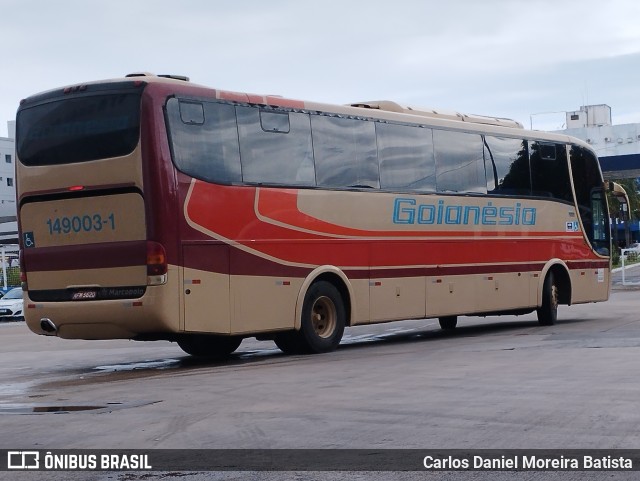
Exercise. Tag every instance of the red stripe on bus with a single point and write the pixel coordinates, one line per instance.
(588, 264)
(280, 219)
(300, 243)
(245, 263)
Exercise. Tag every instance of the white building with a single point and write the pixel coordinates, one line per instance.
(618, 149)
(8, 209)
(617, 146)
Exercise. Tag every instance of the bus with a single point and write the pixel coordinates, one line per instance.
(152, 208)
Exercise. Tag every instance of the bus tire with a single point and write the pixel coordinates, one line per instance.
(289, 342)
(448, 323)
(210, 347)
(548, 311)
(323, 319)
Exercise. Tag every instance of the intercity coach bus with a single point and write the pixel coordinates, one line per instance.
(153, 208)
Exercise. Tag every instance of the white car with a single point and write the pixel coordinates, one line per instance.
(11, 305)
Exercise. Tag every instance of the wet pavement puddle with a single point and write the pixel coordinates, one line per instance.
(38, 408)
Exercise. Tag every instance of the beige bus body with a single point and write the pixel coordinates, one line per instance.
(192, 300)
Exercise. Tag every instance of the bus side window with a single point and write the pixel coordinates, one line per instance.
(590, 197)
(599, 215)
(345, 152)
(550, 171)
(507, 166)
(406, 157)
(459, 162)
(275, 147)
(204, 140)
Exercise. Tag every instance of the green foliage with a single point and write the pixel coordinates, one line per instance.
(615, 258)
(13, 277)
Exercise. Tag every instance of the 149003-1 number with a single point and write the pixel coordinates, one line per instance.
(81, 223)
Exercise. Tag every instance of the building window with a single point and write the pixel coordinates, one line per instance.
(7, 158)
(9, 182)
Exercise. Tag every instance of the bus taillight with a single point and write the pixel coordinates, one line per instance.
(156, 264)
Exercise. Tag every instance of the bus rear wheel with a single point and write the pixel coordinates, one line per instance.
(548, 311)
(321, 325)
(210, 347)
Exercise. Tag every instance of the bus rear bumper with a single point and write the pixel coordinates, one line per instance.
(152, 314)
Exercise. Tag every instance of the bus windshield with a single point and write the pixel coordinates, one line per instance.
(79, 129)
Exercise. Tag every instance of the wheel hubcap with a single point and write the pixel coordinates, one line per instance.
(324, 317)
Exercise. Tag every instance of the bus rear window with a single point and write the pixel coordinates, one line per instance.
(78, 129)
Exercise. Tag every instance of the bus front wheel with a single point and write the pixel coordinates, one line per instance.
(211, 347)
(548, 311)
(448, 323)
(289, 342)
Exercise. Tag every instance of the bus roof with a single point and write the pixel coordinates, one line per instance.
(391, 106)
(380, 109)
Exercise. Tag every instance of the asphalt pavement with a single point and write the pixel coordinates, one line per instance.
(493, 383)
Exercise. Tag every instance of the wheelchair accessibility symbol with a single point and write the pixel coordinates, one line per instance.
(28, 239)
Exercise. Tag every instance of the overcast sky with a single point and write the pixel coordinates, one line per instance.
(506, 58)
